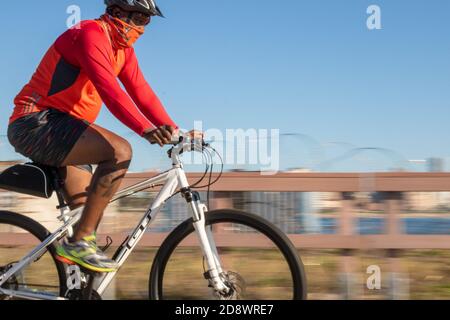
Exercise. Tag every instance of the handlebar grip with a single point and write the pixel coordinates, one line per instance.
(177, 138)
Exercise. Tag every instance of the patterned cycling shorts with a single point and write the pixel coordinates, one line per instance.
(46, 137)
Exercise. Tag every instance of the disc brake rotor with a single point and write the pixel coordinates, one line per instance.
(237, 286)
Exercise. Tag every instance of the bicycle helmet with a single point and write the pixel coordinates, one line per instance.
(148, 7)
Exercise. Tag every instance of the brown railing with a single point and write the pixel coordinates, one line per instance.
(392, 186)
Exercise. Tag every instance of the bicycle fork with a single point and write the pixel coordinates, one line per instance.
(207, 243)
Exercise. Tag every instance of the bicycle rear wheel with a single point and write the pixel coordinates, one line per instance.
(18, 236)
(258, 260)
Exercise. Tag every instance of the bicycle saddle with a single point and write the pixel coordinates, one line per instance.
(30, 178)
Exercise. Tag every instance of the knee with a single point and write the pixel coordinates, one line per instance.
(123, 151)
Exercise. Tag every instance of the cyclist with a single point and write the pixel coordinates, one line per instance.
(54, 115)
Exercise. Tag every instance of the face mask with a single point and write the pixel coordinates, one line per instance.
(122, 34)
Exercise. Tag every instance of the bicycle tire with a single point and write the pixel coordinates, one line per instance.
(229, 216)
(41, 233)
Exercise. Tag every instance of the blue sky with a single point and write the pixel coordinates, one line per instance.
(309, 67)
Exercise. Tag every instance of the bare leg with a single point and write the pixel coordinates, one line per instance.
(113, 155)
(76, 185)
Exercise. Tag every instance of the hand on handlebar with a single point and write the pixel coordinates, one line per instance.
(167, 135)
(162, 135)
(193, 136)
(196, 135)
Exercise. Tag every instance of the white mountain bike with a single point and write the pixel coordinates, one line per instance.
(223, 254)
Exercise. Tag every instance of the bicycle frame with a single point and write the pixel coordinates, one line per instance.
(172, 180)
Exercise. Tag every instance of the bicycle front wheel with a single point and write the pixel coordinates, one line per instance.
(258, 260)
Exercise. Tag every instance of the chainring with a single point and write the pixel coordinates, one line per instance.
(77, 295)
(12, 283)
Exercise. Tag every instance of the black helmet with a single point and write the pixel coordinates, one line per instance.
(145, 6)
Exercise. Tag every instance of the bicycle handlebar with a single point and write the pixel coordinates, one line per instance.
(182, 142)
(184, 138)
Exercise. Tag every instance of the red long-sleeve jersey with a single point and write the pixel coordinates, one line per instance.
(81, 70)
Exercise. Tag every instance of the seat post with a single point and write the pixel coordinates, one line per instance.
(58, 185)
